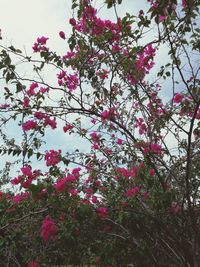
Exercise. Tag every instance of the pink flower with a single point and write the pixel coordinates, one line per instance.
(69, 55)
(72, 82)
(60, 185)
(94, 199)
(4, 106)
(151, 172)
(178, 98)
(116, 48)
(42, 40)
(52, 157)
(27, 183)
(62, 35)
(26, 102)
(123, 172)
(72, 21)
(73, 192)
(108, 114)
(95, 136)
(19, 197)
(102, 212)
(132, 192)
(67, 127)
(26, 171)
(95, 146)
(48, 229)
(29, 125)
(119, 141)
(184, 3)
(39, 46)
(44, 90)
(16, 180)
(33, 264)
(155, 148)
(50, 122)
(76, 171)
(39, 115)
(161, 18)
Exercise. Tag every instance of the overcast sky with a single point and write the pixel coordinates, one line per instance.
(22, 21)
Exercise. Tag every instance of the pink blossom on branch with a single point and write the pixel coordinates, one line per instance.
(42, 40)
(27, 171)
(132, 192)
(60, 185)
(31, 90)
(72, 21)
(62, 35)
(178, 98)
(33, 264)
(40, 45)
(184, 3)
(108, 114)
(19, 197)
(50, 122)
(52, 157)
(48, 229)
(67, 127)
(29, 125)
(71, 81)
(102, 212)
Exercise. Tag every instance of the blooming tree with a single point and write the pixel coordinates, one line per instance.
(127, 192)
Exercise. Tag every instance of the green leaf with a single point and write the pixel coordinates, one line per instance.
(30, 153)
(19, 87)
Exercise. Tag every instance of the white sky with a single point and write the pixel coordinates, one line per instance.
(22, 21)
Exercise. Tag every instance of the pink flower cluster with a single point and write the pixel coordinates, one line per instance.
(33, 264)
(140, 124)
(178, 98)
(169, 5)
(95, 137)
(61, 184)
(20, 197)
(71, 80)
(144, 61)
(67, 127)
(46, 119)
(52, 157)
(48, 229)
(31, 91)
(132, 192)
(26, 178)
(128, 173)
(102, 212)
(4, 106)
(184, 3)
(108, 114)
(62, 35)
(40, 45)
(29, 125)
(153, 148)
(90, 23)
(32, 88)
